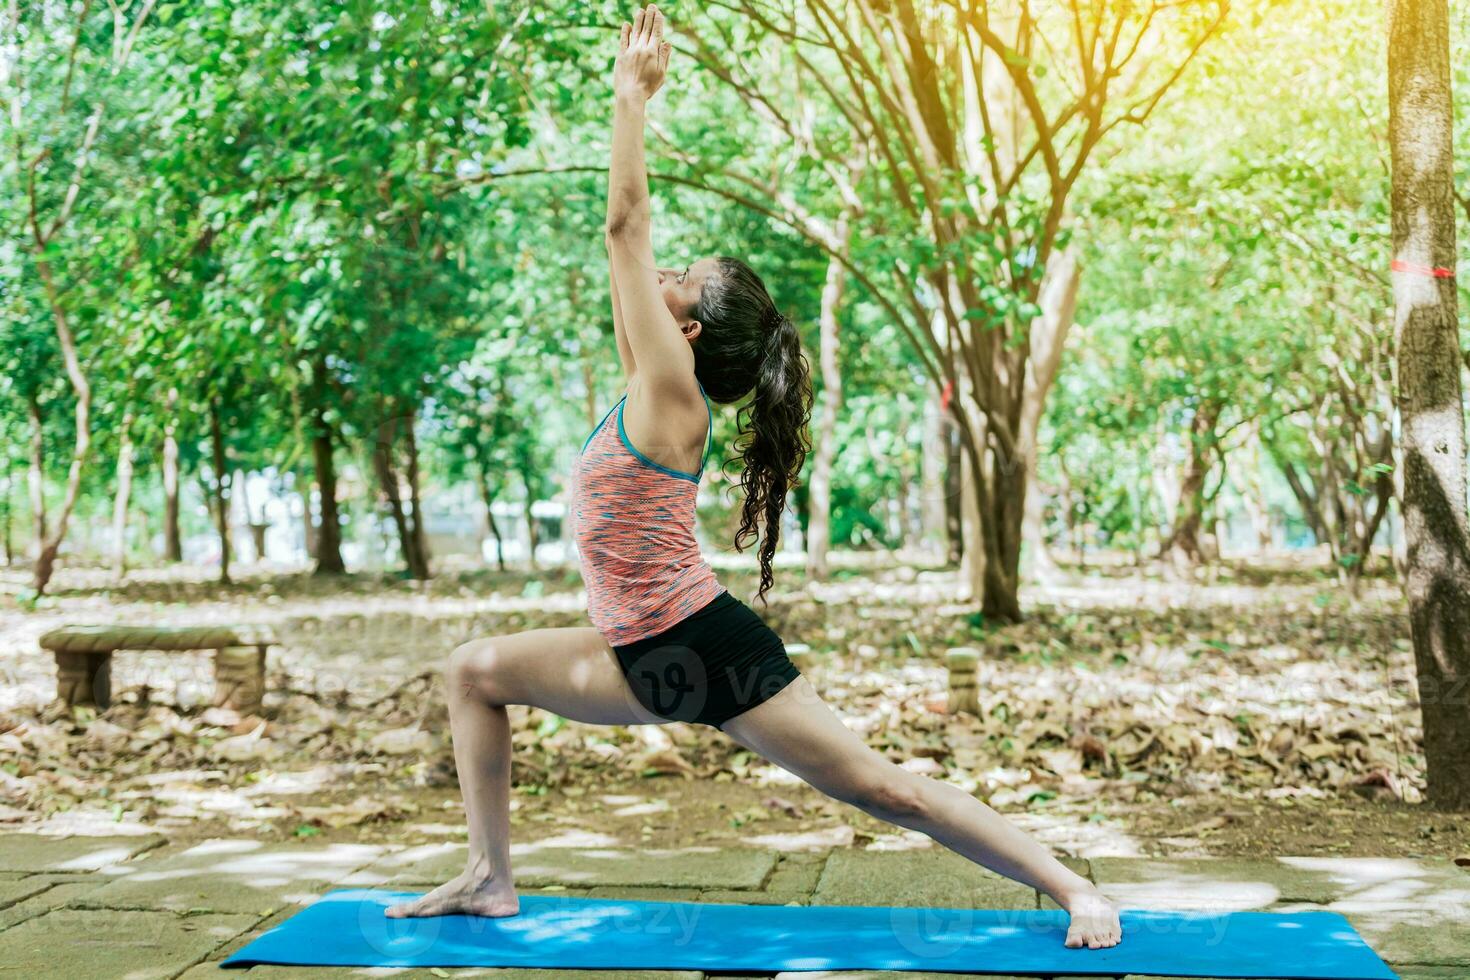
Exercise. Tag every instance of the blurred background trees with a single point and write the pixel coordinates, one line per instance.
(323, 286)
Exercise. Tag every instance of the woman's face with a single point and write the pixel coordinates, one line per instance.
(683, 286)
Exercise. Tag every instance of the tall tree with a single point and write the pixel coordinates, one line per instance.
(59, 66)
(980, 118)
(1430, 396)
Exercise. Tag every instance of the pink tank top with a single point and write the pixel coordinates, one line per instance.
(633, 521)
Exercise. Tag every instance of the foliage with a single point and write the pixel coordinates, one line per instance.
(326, 221)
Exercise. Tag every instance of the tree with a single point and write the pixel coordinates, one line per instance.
(1193, 327)
(980, 119)
(1430, 396)
(52, 141)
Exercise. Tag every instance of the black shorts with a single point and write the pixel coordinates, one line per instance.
(712, 665)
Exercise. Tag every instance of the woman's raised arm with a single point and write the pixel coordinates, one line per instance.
(625, 352)
(662, 354)
(643, 59)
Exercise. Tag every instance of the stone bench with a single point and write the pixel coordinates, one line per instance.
(84, 659)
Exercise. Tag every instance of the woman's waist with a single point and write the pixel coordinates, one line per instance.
(626, 610)
(603, 565)
(654, 534)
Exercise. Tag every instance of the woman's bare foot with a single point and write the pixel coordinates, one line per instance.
(1095, 922)
(468, 894)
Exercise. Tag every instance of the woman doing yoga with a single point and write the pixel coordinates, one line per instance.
(667, 641)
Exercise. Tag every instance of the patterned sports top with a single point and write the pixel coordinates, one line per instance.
(633, 521)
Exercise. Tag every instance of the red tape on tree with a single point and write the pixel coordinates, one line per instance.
(1433, 271)
(946, 395)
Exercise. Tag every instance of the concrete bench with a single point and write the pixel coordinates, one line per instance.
(84, 659)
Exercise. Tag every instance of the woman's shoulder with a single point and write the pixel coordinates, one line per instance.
(666, 392)
(668, 415)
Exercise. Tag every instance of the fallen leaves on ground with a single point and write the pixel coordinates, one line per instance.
(1115, 689)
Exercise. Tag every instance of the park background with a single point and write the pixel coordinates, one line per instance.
(305, 314)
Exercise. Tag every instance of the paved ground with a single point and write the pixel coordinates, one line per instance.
(139, 907)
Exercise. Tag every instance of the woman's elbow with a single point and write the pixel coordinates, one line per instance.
(624, 226)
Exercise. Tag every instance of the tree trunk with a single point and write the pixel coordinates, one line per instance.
(221, 489)
(329, 527)
(120, 501)
(1430, 402)
(1304, 498)
(531, 534)
(1008, 420)
(1183, 544)
(819, 523)
(418, 533)
(9, 520)
(1370, 510)
(36, 477)
(489, 499)
(1363, 549)
(388, 484)
(982, 571)
(82, 443)
(1001, 475)
(1003, 569)
(408, 539)
(1330, 492)
(173, 548)
(954, 492)
(257, 539)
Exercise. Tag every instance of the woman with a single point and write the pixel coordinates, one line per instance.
(668, 642)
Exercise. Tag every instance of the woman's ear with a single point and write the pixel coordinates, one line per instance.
(691, 330)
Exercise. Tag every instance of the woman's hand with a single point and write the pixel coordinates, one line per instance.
(643, 55)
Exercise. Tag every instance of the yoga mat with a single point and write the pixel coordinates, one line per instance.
(348, 928)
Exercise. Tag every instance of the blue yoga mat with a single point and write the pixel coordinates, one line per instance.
(348, 928)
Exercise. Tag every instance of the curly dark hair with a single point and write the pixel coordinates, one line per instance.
(747, 343)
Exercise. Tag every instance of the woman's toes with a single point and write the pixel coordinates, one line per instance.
(425, 907)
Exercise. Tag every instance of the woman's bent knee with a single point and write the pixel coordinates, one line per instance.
(476, 670)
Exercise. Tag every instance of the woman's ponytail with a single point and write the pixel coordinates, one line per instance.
(775, 444)
(747, 345)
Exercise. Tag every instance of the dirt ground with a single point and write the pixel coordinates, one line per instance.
(670, 812)
(1262, 711)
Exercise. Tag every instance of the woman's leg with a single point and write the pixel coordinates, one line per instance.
(799, 732)
(571, 672)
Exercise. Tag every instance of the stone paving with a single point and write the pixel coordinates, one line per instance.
(87, 908)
